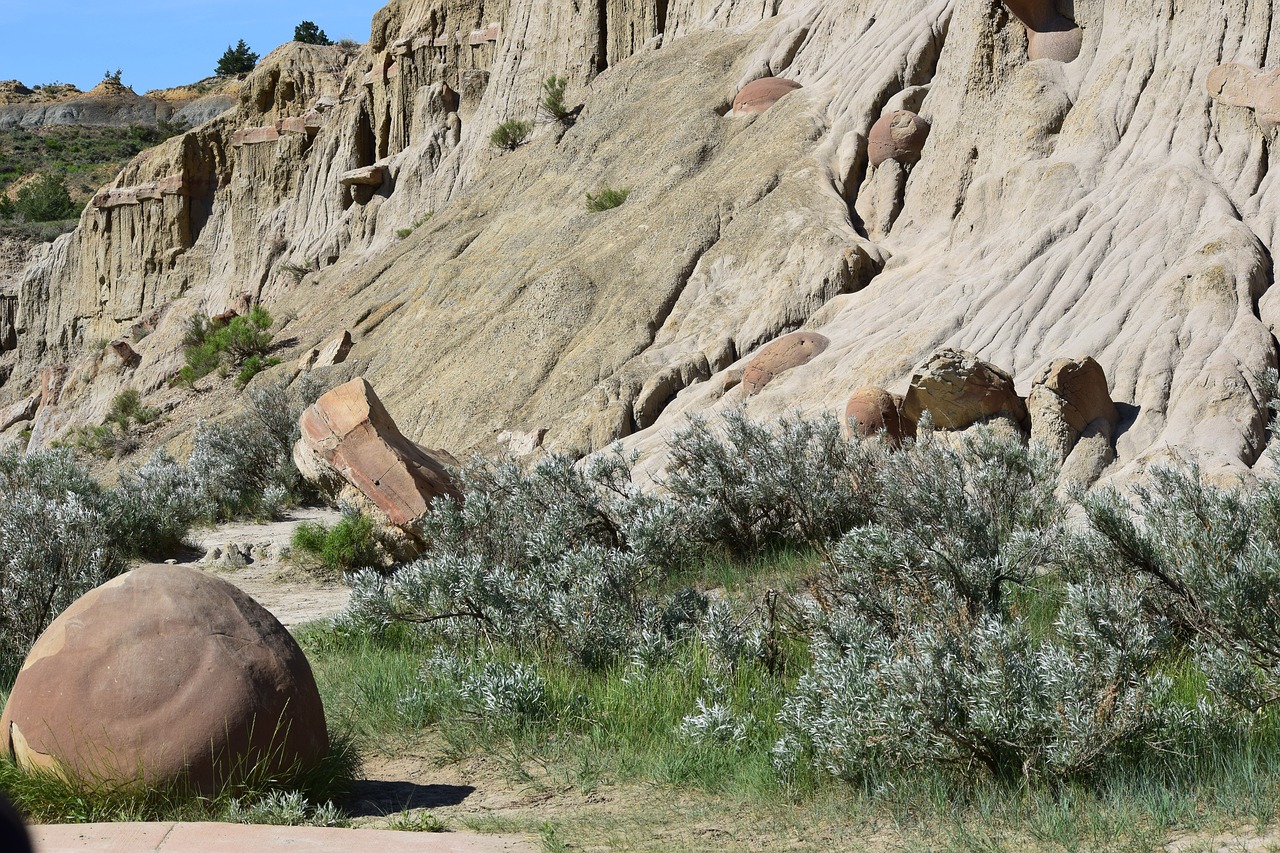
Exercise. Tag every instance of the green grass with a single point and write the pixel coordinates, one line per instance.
(88, 156)
(606, 199)
(47, 798)
(348, 545)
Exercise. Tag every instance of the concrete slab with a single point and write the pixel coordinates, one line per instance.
(237, 838)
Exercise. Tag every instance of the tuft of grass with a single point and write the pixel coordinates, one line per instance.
(606, 199)
(349, 545)
(419, 820)
(511, 134)
(45, 797)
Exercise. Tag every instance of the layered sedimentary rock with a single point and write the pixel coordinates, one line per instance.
(1102, 203)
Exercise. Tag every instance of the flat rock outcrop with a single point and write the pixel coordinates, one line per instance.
(349, 437)
(165, 675)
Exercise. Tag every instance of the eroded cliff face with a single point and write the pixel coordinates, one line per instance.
(1104, 206)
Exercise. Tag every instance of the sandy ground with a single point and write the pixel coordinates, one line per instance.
(293, 594)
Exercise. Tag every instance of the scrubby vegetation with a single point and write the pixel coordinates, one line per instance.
(241, 343)
(350, 545)
(511, 134)
(935, 631)
(955, 630)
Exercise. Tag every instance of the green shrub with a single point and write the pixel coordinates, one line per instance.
(243, 343)
(308, 33)
(606, 199)
(553, 103)
(350, 545)
(511, 134)
(45, 199)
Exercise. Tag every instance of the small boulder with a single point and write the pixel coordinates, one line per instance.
(958, 389)
(165, 675)
(23, 410)
(125, 352)
(779, 356)
(1050, 35)
(899, 135)
(873, 411)
(758, 95)
(349, 437)
(1069, 400)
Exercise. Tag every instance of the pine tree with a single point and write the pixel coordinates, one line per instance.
(308, 33)
(236, 60)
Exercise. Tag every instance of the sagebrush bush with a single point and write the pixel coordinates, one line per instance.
(56, 544)
(745, 485)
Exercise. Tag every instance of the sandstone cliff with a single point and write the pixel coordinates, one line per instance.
(1106, 206)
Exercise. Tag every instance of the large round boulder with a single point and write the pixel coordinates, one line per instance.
(873, 411)
(898, 135)
(165, 675)
(1050, 34)
(758, 95)
(778, 356)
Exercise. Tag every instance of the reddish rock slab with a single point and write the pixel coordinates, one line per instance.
(255, 135)
(873, 411)
(119, 197)
(349, 435)
(758, 95)
(165, 675)
(173, 185)
(334, 352)
(779, 356)
(959, 390)
(899, 135)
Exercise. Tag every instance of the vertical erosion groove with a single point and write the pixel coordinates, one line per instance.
(602, 37)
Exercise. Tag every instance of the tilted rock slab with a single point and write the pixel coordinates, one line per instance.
(1072, 413)
(349, 436)
(165, 675)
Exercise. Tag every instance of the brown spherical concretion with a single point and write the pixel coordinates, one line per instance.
(165, 675)
(899, 135)
(873, 411)
(781, 355)
(758, 95)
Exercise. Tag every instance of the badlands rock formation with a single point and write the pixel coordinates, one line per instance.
(111, 104)
(1084, 190)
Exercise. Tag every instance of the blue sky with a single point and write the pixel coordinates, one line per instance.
(156, 44)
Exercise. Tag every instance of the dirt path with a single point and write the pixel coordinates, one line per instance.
(292, 594)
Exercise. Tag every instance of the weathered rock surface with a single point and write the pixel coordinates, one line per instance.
(165, 674)
(349, 437)
(1108, 205)
(1072, 413)
(958, 389)
(872, 411)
